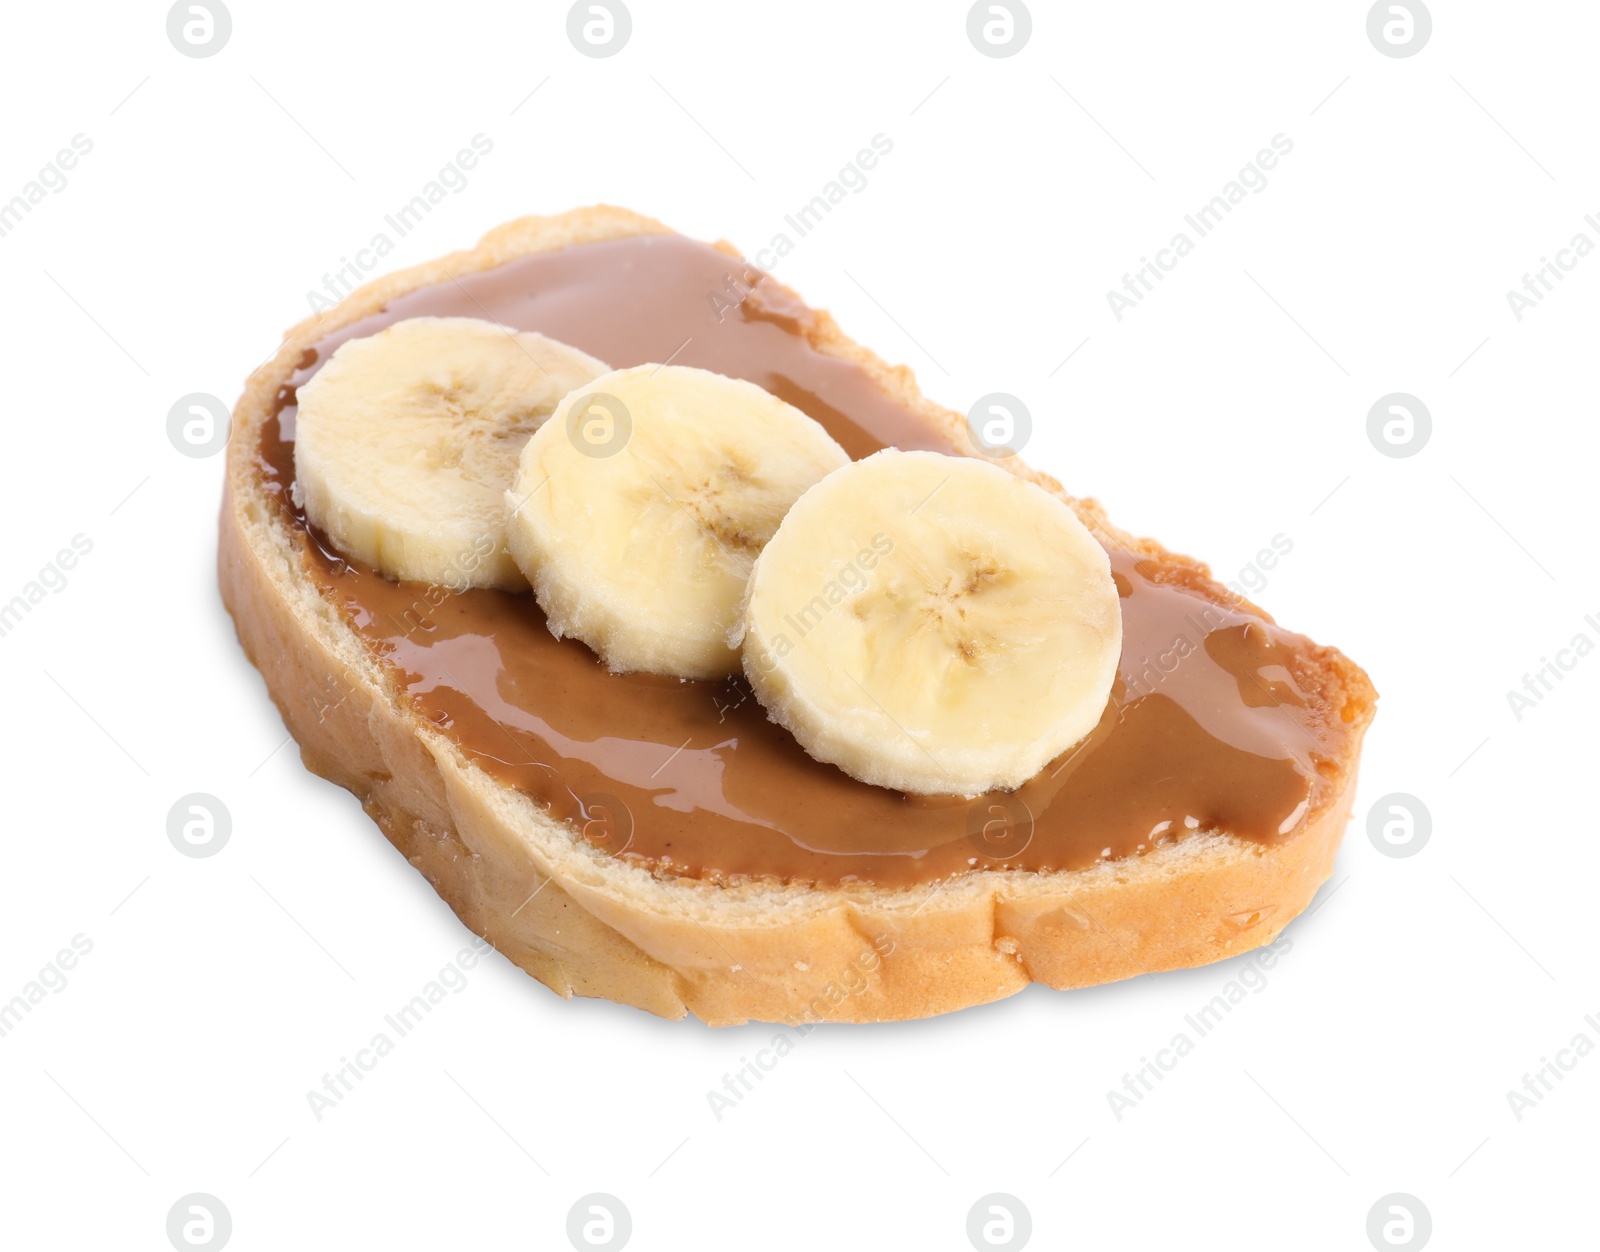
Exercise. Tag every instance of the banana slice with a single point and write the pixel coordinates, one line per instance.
(641, 505)
(407, 439)
(932, 624)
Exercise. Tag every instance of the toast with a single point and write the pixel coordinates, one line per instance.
(743, 946)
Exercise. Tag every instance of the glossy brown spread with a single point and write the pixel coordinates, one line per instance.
(1220, 718)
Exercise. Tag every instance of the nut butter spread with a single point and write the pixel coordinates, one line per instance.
(1219, 719)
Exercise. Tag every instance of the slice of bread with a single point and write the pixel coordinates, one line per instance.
(585, 922)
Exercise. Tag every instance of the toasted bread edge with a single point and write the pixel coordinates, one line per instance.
(589, 924)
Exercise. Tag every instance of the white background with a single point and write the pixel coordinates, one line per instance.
(1228, 408)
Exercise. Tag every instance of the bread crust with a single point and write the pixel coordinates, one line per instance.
(586, 923)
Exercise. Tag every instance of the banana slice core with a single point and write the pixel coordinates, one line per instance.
(933, 624)
(640, 507)
(406, 440)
